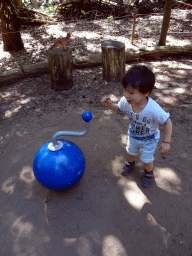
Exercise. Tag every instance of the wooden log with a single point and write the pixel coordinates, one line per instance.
(113, 60)
(10, 76)
(87, 61)
(14, 75)
(60, 65)
(165, 51)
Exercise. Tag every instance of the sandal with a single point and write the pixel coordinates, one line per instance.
(127, 168)
(147, 179)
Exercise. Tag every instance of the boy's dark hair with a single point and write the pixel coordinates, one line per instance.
(139, 77)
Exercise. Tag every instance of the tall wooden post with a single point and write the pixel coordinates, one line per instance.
(61, 68)
(113, 60)
(134, 23)
(165, 24)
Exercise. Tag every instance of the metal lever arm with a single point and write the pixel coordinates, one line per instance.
(56, 145)
(69, 133)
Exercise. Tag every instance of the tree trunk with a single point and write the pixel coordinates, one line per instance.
(113, 60)
(17, 2)
(10, 26)
(61, 68)
(165, 24)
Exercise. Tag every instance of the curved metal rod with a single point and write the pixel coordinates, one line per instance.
(69, 133)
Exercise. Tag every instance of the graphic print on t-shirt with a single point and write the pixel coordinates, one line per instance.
(145, 123)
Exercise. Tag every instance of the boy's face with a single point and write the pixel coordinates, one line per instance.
(134, 96)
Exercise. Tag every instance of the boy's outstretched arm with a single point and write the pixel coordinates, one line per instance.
(165, 145)
(109, 104)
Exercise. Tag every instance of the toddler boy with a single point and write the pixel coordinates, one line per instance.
(145, 116)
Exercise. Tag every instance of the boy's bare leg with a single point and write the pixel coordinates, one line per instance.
(131, 158)
(148, 166)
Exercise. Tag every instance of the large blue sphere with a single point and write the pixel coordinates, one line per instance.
(61, 169)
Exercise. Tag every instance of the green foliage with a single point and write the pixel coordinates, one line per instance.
(129, 7)
(110, 19)
(26, 2)
(130, 2)
(48, 10)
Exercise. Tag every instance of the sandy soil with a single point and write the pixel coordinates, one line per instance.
(106, 214)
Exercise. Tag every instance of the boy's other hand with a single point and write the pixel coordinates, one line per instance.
(164, 148)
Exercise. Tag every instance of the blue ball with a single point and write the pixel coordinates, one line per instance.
(87, 116)
(61, 169)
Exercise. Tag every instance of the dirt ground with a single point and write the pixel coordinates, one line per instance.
(105, 214)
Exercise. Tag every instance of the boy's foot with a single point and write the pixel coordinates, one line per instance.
(147, 179)
(127, 168)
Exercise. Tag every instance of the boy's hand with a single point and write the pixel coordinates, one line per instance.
(106, 101)
(164, 148)
(109, 104)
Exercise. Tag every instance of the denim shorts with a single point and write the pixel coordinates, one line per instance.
(147, 147)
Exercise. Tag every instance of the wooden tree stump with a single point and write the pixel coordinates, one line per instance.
(113, 60)
(61, 67)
